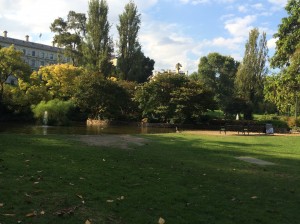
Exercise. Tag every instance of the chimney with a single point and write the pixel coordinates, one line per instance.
(5, 33)
(27, 38)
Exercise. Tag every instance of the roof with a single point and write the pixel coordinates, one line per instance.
(29, 44)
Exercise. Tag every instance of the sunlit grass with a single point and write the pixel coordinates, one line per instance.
(182, 178)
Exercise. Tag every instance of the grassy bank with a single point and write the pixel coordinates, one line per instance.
(182, 178)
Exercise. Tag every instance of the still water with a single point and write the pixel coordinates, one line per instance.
(80, 129)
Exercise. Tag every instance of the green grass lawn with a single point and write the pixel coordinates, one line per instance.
(182, 178)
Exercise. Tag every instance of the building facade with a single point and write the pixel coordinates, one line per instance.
(35, 54)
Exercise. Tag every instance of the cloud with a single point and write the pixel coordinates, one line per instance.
(196, 2)
(167, 46)
(280, 3)
(240, 26)
(272, 43)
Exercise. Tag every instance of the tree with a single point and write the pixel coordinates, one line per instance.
(288, 35)
(283, 88)
(11, 64)
(69, 35)
(252, 72)
(218, 73)
(100, 98)
(130, 59)
(99, 46)
(171, 97)
(59, 80)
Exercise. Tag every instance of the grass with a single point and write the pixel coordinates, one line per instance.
(182, 178)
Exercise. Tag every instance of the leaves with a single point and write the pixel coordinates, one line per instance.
(161, 221)
(88, 222)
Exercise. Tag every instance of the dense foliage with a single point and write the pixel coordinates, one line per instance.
(127, 89)
(218, 72)
(173, 98)
(252, 72)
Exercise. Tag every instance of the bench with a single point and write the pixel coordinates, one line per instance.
(243, 129)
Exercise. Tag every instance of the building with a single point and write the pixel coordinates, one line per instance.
(35, 54)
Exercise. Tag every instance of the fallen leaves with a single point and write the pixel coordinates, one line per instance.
(9, 215)
(66, 211)
(31, 214)
(118, 198)
(161, 221)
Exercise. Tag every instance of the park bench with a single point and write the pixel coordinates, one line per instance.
(243, 129)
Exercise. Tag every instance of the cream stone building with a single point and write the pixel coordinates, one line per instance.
(34, 54)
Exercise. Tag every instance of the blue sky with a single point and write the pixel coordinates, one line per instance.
(172, 31)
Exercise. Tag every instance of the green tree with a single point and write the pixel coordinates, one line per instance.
(218, 73)
(130, 56)
(100, 98)
(59, 80)
(11, 64)
(283, 88)
(288, 35)
(252, 71)
(99, 46)
(69, 35)
(169, 97)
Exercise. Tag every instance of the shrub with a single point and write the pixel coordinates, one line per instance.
(53, 112)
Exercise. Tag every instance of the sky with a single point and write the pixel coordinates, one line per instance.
(172, 31)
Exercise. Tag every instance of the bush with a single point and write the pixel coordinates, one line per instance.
(53, 112)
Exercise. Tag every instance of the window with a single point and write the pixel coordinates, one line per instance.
(51, 56)
(32, 63)
(33, 54)
(42, 54)
(42, 63)
(24, 51)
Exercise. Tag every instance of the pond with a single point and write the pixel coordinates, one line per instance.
(80, 129)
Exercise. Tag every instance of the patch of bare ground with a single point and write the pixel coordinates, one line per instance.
(118, 141)
(234, 133)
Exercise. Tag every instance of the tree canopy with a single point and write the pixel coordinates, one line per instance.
(99, 46)
(287, 36)
(252, 71)
(11, 64)
(218, 72)
(69, 35)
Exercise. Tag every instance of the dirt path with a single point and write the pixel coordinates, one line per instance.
(130, 141)
(234, 133)
(118, 141)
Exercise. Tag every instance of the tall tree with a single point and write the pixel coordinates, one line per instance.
(283, 88)
(218, 72)
(69, 35)
(129, 58)
(11, 64)
(252, 71)
(99, 46)
(288, 35)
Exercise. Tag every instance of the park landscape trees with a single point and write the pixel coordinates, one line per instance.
(252, 72)
(283, 88)
(129, 91)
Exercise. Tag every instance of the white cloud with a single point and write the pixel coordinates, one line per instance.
(280, 3)
(229, 43)
(240, 26)
(196, 2)
(272, 43)
(243, 8)
(163, 43)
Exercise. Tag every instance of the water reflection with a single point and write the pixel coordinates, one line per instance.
(80, 129)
